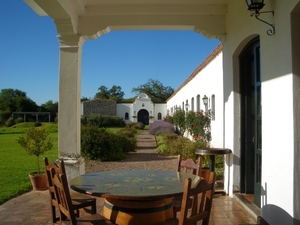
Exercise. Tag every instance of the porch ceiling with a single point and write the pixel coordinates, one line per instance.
(91, 18)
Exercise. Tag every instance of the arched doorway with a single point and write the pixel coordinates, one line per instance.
(251, 117)
(143, 116)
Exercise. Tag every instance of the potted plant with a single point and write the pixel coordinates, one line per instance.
(35, 142)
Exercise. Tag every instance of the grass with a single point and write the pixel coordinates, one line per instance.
(16, 164)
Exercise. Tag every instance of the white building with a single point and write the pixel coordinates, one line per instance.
(261, 83)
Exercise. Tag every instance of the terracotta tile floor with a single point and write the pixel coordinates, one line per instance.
(33, 208)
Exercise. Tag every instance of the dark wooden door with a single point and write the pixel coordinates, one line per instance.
(251, 141)
(143, 116)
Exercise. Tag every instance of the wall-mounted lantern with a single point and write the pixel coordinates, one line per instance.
(255, 6)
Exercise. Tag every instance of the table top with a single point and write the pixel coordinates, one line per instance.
(213, 151)
(132, 184)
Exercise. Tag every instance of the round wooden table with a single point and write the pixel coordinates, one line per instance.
(134, 196)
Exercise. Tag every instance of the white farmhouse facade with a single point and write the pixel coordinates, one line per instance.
(261, 83)
(141, 110)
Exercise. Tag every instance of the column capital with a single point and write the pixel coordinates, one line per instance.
(71, 41)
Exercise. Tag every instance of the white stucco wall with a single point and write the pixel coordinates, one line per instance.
(277, 91)
(125, 108)
(208, 81)
(159, 108)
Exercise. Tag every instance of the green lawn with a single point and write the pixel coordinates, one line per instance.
(16, 164)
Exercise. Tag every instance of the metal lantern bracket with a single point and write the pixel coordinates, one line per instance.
(271, 31)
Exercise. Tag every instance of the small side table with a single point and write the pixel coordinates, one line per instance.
(212, 152)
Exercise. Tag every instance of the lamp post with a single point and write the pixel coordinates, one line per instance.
(187, 107)
(205, 102)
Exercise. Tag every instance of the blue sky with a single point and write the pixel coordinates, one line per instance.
(29, 56)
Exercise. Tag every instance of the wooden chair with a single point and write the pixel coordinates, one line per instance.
(202, 196)
(78, 200)
(187, 166)
(66, 207)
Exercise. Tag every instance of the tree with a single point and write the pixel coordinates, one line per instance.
(115, 93)
(103, 93)
(155, 90)
(49, 106)
(84, 99)
(14, 100)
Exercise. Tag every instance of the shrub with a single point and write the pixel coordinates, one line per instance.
(179, 121)
(37, 124)
(127, 132)
(198, 125)
(136, 125)
(19, 120)
(102, 121)
(99, 144)
(10, 122)
(169, 119)
(4, 116)
(160, 127)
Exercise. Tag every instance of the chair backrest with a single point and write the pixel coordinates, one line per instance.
(189, 166)
(62, 192)
(58, 169)
(202, 195)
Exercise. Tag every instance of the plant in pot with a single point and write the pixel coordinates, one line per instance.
(35, 142)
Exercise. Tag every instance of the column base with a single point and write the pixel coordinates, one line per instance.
(74, 166)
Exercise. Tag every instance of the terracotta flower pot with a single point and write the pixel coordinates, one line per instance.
(39, 182)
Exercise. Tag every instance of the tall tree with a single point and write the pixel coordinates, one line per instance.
(14, 100)
(115, 93)
(103, 92)
(155, 90)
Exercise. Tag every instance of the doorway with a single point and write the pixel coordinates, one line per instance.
(143, 116)
(251, 141)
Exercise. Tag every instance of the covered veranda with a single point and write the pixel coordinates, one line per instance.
(277, 61)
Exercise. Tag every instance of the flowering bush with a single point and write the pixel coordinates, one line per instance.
(159, 127)
(168, 118)
(198, 125)
(179, 120)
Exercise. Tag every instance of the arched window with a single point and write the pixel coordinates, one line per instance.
(126, 116)
(159, 116)
(192, 102)
(187, 105)
(182, 105)
(198, 103)
(213, 107)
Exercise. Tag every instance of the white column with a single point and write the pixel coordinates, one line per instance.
(69, 104)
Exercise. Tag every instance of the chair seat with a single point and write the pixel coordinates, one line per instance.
(177, 203)
(90, 219)
(81, 200)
